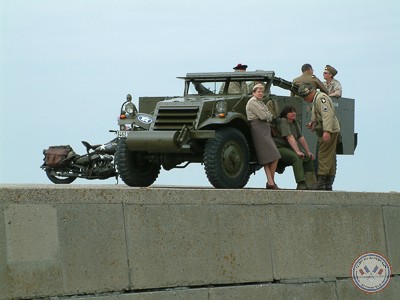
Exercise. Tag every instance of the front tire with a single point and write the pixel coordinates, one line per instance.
(57, 179)
(227, 159)
(133, 168)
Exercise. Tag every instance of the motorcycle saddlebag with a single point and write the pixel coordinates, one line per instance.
(55, 154)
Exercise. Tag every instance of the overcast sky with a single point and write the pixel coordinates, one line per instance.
(66, 67)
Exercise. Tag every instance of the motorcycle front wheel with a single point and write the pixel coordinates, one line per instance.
(58, 179)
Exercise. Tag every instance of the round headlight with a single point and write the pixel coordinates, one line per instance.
(220, 107)
(130, 108)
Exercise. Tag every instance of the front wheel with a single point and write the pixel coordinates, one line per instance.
(133, 168)
(57, 178)
(227, 159)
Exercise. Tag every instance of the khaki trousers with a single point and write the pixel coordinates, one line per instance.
(327, 155)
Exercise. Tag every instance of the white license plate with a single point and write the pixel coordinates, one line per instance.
(122, 134)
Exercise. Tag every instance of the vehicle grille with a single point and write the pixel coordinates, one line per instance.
(174, 117)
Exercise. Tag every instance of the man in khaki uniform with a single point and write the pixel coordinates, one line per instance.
(326, 125)
(333, 86)
(236, 87)
(309, 77)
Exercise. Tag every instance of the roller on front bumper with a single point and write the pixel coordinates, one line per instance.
(168, 141)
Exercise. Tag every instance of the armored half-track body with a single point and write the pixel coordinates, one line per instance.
(208, 125)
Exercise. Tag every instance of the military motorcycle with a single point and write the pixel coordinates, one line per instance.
(62, 165)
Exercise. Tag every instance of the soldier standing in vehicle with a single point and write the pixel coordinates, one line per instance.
(333, 86)
(309, 77)
(326, 125)
(236, 87)
(259, 117)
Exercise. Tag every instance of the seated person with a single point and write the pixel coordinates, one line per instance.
(236, 87)
(294, 149)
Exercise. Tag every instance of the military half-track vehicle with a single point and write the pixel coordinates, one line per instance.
(208, 125)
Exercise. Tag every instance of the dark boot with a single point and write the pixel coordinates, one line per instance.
(311, 180)
(301, 185)
(329, 182)
(321, 182)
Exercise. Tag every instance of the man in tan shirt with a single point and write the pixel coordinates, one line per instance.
(236, 87)
(309, 77)
(333, 86)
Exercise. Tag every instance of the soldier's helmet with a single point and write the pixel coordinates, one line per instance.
(305, 89)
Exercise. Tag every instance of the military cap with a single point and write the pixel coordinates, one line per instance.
(305, 89)
(240, 67)
(331, 70)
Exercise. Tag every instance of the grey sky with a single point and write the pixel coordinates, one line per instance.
(66, 67)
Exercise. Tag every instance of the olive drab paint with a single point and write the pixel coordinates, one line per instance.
(208, 125)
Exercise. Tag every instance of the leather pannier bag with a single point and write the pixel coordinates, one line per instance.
(55, 154)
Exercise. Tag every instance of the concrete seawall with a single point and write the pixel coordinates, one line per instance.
(115, 242)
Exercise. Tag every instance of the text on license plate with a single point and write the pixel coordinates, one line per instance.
(122, 134)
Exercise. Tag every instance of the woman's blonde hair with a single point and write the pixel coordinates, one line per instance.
(258, 86)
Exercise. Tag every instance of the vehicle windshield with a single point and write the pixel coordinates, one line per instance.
(205, 88)
(228, 83)
(217, 88)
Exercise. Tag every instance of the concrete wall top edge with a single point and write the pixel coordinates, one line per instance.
(157, 195)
